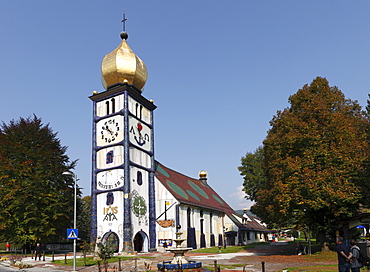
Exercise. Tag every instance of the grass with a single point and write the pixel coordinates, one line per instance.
(322, 256)
(229, 266)
(317, 258)
(90, 261)
(229, 249)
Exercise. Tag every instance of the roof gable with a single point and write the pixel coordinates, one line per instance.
(198, 193)
(190, 191)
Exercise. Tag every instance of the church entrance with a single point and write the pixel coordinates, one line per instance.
(141, 242)
(111, 240)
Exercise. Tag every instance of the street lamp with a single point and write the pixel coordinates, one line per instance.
(67, 173)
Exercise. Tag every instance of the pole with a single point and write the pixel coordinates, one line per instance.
(74, 221)
(165, 210)
(67, 173)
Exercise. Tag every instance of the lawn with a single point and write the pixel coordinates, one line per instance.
(229, 249)
(319, 257)
(90, 261)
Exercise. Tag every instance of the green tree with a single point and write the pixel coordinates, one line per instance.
(36, 200)
(314, 155)
(84, 218)
(252, 170)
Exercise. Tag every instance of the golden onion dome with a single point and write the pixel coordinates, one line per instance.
(123, 65)
(202, 174)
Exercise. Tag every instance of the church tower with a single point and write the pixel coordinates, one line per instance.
(122, 189)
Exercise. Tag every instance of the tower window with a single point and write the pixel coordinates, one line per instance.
(139, 178)
(107, 107)
(136, 109)
(113, 105)
(110, 199)
(109, 158)
(139, 111)
(189, 217)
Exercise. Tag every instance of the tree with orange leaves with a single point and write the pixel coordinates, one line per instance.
(314, 156)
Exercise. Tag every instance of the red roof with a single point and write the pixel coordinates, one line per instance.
(198, 193)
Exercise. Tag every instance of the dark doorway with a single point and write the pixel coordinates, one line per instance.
(138, 242)
(111, 240)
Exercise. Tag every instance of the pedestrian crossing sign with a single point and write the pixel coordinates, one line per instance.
(72, 233)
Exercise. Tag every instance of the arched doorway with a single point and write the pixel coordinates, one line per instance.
(111, 240)
(141, 242)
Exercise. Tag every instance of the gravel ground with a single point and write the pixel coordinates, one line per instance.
(275, 256)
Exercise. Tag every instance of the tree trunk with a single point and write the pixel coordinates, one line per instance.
(321, 238)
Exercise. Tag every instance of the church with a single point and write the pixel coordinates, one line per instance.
(138, 203)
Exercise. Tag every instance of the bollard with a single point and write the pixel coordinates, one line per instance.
(43, 256)
(119, 264)
(263, 266)
(52, 256)
(215, 266)
(65, 258)
(135, 265)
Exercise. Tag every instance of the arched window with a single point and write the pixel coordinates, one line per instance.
(137, 110)
(189, 217)
(113, 105)
(107, 107)
(110, 199)
(139, 178)
(201, 222)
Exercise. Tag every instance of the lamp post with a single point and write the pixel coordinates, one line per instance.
(67, 173)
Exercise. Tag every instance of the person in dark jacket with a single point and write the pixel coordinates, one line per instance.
(343, 252)
(353, 256)
(38, 251)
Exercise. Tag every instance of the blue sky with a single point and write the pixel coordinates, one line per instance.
(218, 70)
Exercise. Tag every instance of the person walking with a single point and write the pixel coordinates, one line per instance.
(38, 251)
(354, 254)
(343, 252)
(299, 249)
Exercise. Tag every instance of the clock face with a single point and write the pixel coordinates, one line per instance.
(111, 179)
(140, 134)
(109, 131)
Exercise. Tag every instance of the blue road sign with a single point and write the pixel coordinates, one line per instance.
(72, 233)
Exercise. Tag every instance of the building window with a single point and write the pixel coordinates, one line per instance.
(188, 217)
(113, 105)
(110, 199)
(139, 178)
(109, 158)
(107, 107)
